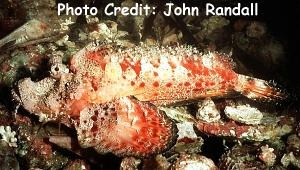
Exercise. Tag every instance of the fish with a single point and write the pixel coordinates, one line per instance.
(166, 75)
(111, 95)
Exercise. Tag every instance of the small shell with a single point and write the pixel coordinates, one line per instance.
(207, 111)
(187, 140)
(186, 130)
(180, 114)
(193, 162)
(244, 114)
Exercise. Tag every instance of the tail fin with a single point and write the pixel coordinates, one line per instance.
(254, 88)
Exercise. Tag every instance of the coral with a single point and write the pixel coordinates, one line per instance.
(105, 31)
(8, 136)
(267, 155)
(290, 158)
(241, 157)
(64, 26)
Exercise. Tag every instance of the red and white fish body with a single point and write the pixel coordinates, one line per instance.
(164, 76)
(111, 95)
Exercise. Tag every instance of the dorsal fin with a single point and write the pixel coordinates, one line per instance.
(214, 59)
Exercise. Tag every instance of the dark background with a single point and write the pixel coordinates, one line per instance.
(282, 18)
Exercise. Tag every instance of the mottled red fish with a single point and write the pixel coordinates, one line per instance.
(110, 96)
(163, 76)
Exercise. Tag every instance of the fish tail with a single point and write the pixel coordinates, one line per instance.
(254, 88)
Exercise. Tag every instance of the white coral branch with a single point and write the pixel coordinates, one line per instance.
(8, 136)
